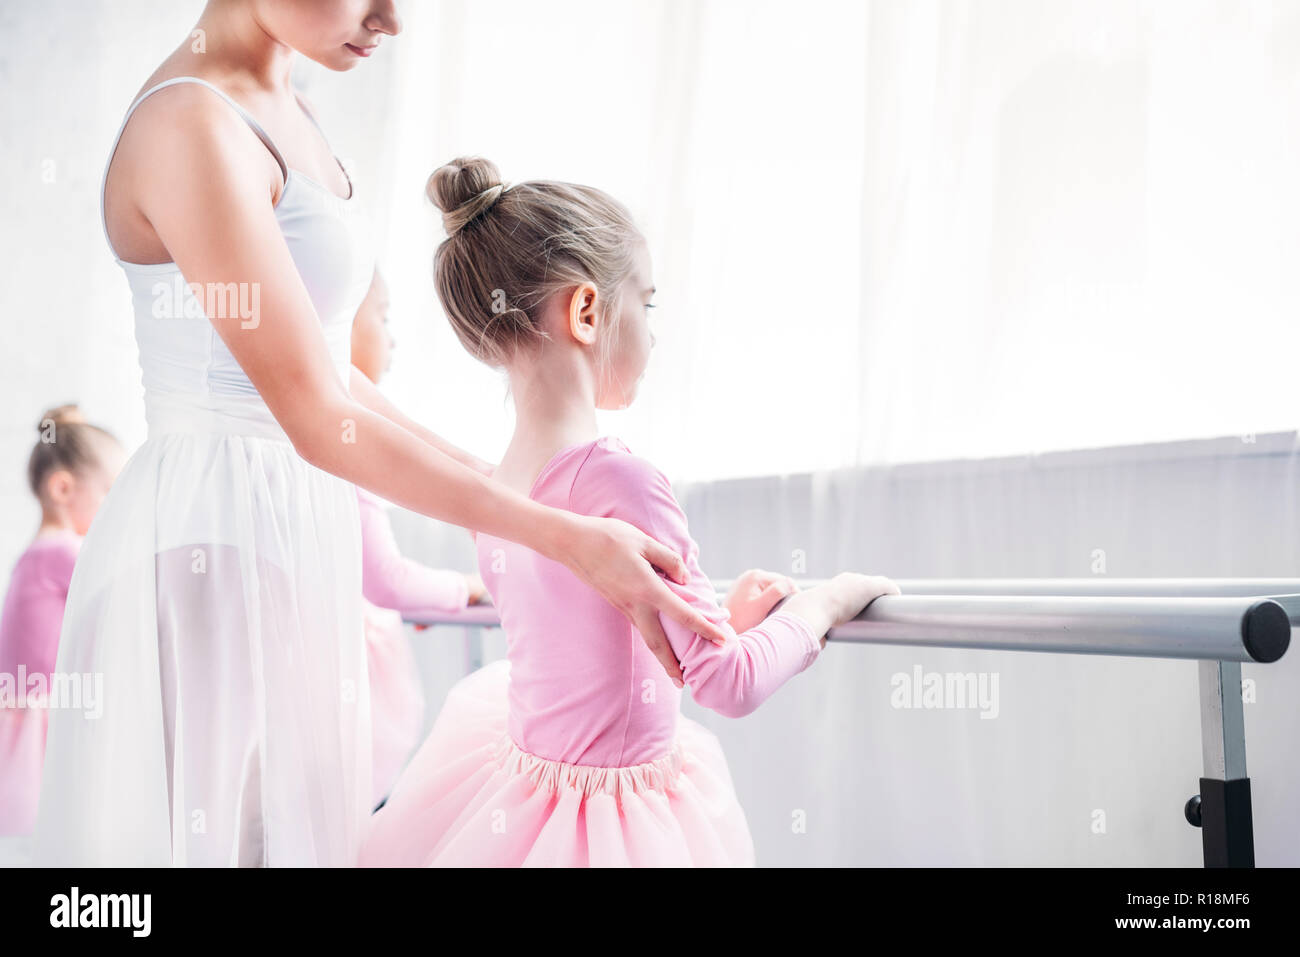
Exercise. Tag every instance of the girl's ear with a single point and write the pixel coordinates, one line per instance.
(59, 485)
(584, 314)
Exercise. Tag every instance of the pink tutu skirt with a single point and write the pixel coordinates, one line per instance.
(396, 698)
(472, 798)
(22, 753)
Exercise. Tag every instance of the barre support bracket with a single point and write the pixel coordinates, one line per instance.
(1223, 810)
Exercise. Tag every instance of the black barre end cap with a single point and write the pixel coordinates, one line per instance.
(1266, 631)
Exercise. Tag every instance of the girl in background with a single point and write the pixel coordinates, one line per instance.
(572, 752)
(69, 471)
(394, 585)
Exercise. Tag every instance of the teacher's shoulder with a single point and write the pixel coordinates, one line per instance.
(186, 137)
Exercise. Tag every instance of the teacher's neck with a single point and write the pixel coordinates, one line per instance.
(235, 42)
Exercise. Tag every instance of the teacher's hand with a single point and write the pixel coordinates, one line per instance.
(615, 559)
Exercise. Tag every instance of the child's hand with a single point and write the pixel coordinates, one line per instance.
(853, 592)
(838, 601)
(753, 596)
(477, 590)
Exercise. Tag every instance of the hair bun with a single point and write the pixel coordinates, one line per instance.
(464, 190)
(61, 415)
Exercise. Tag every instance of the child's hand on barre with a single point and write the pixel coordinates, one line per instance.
(477, 590)
(753, 596)
(838, 601)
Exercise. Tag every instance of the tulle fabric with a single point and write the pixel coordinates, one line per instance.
(22, 752)
(217, 594)
(396, 698)
(472, 798)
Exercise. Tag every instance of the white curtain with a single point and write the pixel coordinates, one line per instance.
(883, 231)
(888, 231)
(1080, 219)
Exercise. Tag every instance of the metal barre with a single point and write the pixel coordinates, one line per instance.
(1241, 628)
(1105, 587)
(1217, 622)
(1202, 629)
(1284, 591)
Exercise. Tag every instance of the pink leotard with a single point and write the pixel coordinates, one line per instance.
(29, 643)
(584, 689)
(390, 580)
(33, 608)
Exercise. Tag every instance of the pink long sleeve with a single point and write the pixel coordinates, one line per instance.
(390, 580)
(731, 679)
(33, 607)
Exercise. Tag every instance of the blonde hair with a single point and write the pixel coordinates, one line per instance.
(67, 441)
(510, 248)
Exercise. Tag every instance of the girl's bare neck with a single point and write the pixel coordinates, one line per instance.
(552, 413)
(53, 525)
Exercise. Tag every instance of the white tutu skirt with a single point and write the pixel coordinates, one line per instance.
(216, 613)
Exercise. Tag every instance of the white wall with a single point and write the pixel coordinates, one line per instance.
(65, 304)
(1075, 733)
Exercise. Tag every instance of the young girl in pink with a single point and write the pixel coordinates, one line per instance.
(572, 752)
(69, 472)
(393, 584)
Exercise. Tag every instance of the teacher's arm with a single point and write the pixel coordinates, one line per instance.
(210, 202)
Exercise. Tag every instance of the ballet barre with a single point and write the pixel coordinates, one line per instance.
(1104, 587)
(1243, 627)
(1219, 623)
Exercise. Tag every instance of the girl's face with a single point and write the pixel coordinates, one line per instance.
(629, 354)
(337, 34)
(76, 498)
(372, 345)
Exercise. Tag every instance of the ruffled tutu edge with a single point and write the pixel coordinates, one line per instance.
(472, 797)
